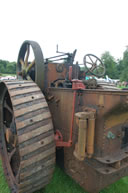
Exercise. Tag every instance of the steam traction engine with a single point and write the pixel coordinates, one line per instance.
(52, 106)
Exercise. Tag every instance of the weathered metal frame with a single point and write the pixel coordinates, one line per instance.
(103, 169)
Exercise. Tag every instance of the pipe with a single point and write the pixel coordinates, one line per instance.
(72, 120)
(82, 135)
(90, 137)
(86, 132)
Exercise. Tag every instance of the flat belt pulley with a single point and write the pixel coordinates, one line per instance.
(26, 136)
(30, 63)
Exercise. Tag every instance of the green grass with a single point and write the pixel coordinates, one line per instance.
(61, 183)
(3, 185)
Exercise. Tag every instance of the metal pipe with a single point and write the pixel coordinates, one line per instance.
(57, 56)
(90, 137)
(82, 135)
(72, 120)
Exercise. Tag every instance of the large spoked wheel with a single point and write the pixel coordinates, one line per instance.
(26, 137)
(30, 64)
(94, 65)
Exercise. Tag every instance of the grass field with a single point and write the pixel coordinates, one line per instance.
(61, 183)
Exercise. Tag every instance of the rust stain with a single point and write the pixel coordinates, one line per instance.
(101, 100)
(114, 120)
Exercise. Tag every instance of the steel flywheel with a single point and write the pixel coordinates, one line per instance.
(30, 63)
(26, 136)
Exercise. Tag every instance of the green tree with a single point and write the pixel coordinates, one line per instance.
(110, 64)
(11, 68)
(7, 67)
(124, 66)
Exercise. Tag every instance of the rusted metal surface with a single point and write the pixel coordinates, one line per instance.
(59, 141)
(52, 74)
(29, 139)
(77, 84)
(110, 159)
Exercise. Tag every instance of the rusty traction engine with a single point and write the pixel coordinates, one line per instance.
(52, 111)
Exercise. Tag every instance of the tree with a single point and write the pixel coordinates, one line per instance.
(7, 67)
(110, 64)
(124, 66)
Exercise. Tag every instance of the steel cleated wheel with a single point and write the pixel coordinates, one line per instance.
(26, 136)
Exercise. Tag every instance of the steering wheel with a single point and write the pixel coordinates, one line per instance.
(94, 65)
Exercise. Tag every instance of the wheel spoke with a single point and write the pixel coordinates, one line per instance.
(96, 61)
(27, 56)
(30, 66)
(18, 174)
(10, 137)
(89, 63)
(93, 67)
(10, 155)
(22, 63)
(15, 141)
(8, 134)
(91, 59)
(8, 107)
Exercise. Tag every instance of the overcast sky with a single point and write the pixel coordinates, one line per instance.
(90, 26)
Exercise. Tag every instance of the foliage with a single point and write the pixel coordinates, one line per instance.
(3, 185)
(124, 66)
(110, 64)
(116, 69)
(7, 67)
